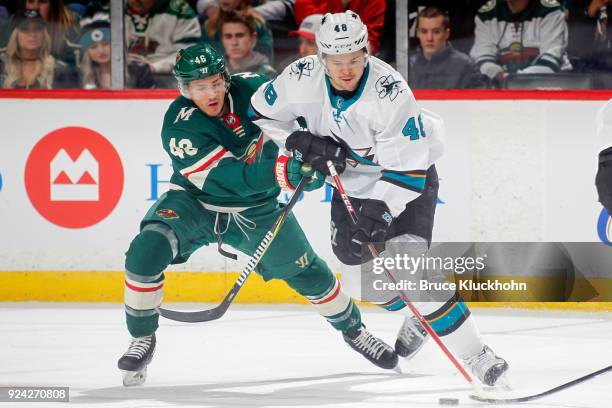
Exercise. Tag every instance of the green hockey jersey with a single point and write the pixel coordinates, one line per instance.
(224, 162)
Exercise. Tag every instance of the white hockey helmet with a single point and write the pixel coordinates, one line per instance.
(341, 33)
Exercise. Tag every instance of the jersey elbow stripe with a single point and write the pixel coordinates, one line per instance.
(548, 61)
(412, 180)
(198, 172)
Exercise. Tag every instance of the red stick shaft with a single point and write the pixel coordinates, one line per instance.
(413, 309)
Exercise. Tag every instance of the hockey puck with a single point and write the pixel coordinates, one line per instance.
(448, 401)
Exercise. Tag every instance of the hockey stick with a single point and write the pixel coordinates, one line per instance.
(415, 312)
(545, 393)
(218, 311)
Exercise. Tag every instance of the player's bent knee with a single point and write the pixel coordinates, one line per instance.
(149, 254)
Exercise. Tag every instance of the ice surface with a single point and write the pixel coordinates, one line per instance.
(287, 356)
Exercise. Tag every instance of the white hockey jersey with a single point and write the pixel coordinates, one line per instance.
(390, 141)
(532, 41)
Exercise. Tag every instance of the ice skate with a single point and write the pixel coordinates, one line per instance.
(411, 338)
(133, 364)
(372, 348)
(488, 368)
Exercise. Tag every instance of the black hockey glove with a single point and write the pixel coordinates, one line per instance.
(372, 225)
(316, 150)
(603, 179)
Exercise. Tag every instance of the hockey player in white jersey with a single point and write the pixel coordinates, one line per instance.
(603, 180)
(360, 114)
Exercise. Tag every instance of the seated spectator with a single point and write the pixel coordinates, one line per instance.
(306, 34)
(275, 10)
(157, 29)
(590, 37)
(436, 64)
(207, 9)
(27, 62)
(371, 12)
(96, 65)
(62, 26)
(239, 38)
(212, 27)
(520, 36)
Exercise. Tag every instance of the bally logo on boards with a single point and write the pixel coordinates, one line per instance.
(74, 177)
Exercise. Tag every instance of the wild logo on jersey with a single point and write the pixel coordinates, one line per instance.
(388, 86)
(253, 151)
(167, 213)
(516, 56)
(302, 67)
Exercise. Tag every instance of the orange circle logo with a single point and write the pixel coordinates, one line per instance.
(74, 177)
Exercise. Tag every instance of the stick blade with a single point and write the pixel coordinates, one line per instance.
(192, 317)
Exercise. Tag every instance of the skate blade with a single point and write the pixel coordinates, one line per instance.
(134, 378)
(503, 383)
(397, 369)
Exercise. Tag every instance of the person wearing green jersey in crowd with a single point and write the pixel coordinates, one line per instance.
(224, 187)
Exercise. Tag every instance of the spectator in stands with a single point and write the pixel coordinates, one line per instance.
(27, 61)
(520, 36)
(239, 37)
(96, 65)
(371, 12)
(436, 64)
(275, 10)
(207, 9)
(62, 25)
(590, 39)
(157, 29)
(212, 27)
(306, 34)
(307, 44)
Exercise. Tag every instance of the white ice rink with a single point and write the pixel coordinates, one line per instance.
(287, 356)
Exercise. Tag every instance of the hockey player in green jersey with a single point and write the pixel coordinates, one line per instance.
(223, 189)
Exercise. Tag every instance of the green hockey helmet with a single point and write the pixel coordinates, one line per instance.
(198, 62)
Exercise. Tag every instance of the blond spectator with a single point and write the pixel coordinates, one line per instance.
(27, 62)
(96, 65)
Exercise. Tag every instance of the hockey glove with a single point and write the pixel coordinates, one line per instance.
(289, 172)
(316, 150)
(603, 179)
(372, 225)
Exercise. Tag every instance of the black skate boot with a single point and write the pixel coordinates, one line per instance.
(487, 366)
(372, 348)
(133, 364)
(411, 338)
